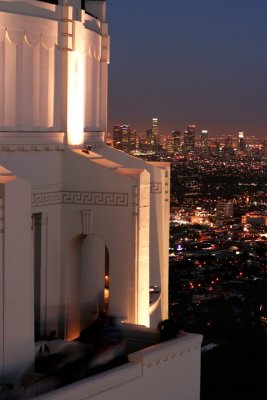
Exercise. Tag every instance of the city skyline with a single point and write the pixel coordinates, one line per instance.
(199, 131)
(189, 63)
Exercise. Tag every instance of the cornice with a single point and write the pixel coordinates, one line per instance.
(31, 147)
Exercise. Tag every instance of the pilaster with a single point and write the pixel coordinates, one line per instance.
(16, 276)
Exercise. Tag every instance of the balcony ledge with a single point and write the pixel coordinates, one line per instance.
(160, 371)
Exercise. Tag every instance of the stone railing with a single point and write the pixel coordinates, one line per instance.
(169, 370)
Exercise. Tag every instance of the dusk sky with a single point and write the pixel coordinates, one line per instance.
(189, 61)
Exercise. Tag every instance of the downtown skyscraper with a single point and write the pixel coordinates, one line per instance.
(190, 139)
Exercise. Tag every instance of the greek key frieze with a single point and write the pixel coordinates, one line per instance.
(46, 199)
(72, 198)
(80, 198)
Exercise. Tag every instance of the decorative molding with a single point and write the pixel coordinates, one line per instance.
(31, 39)
(135, 201)
(32, 147)
(46, 199)
(172, 355)
(87, 222)
(171, 349)
(156, 187)
(80, 198)
(66, 36)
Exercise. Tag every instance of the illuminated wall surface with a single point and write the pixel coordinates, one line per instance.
(75, 98)
(72, 219)
(41, 87)
(27, 65)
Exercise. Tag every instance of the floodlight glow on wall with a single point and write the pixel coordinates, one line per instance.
(75, 98)
(143, 295)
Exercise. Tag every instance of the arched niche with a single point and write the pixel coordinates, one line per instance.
(86, 269)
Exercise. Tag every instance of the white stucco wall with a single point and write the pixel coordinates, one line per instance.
(120, 203)
(16, 300)
(158, 223)
(115, 212)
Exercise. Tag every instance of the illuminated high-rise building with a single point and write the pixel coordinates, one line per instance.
(167, 143)
(204, 140)
(117, 137)
(153, 138)
(190, 139)
(155, 127)
(241, 141)
(228, 148)
(149, 136)
(177, 141)
(225, 208)
(124, 138)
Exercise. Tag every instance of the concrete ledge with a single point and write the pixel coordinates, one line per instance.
(97, 384)
(185, 343)
(31, 141)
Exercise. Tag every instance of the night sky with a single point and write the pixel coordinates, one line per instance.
(189, 61)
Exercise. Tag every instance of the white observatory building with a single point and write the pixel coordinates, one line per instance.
(83, 227)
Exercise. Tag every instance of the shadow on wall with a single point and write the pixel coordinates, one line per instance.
(86, 268)
(84, 288)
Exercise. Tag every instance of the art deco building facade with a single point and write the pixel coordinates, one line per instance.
(73, 210)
